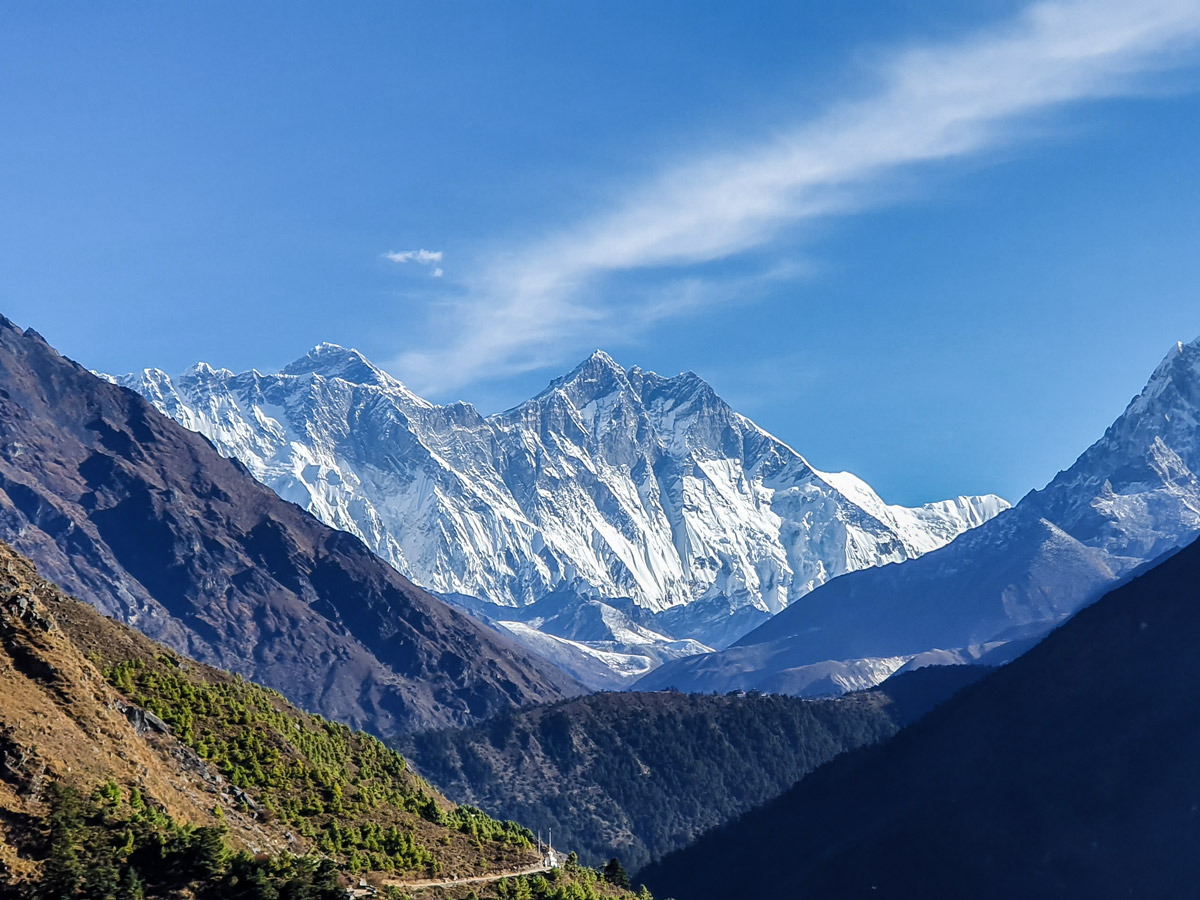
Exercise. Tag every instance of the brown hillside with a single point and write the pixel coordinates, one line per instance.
(153, 746)
(63, 721)
(60, 721)
(146, 521)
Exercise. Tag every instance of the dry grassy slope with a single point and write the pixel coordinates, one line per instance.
(60, 720)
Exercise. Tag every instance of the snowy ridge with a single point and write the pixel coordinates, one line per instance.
(611, 485)
(1129, 498)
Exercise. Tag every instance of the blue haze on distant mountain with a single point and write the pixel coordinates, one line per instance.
(1131, 497)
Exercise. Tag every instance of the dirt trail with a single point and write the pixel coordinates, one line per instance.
(474, 879)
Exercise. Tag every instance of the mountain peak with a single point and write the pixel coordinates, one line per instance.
(690, 382)
(1173, 354)
(335, 361)
(199, 370)
(598, 361)
(1189, 350)
(1178, 373)
(596, 375)
(345, 363)
(600, 372)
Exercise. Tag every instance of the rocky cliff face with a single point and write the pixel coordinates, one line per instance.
(680, 523)
(146, 521)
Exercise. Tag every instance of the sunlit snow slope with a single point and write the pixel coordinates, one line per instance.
(616, 520)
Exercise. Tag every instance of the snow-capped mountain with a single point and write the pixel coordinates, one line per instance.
(1129, 498)
(679, 522)
(1134, 493)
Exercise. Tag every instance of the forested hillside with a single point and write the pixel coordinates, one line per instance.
(127, 770)
(636, 775)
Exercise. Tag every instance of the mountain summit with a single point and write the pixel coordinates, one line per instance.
(647, 500)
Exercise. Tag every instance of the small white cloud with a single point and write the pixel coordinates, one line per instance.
(422, 257)
(437, 273)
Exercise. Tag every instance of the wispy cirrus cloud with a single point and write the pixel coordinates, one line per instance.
(931, 104)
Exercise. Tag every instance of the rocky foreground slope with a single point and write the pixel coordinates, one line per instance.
(109, 742)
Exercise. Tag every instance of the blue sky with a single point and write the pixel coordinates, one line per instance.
(937, 244)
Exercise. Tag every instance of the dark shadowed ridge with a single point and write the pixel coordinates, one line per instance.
(637, 775)
(1072, 772)
(145, 520)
